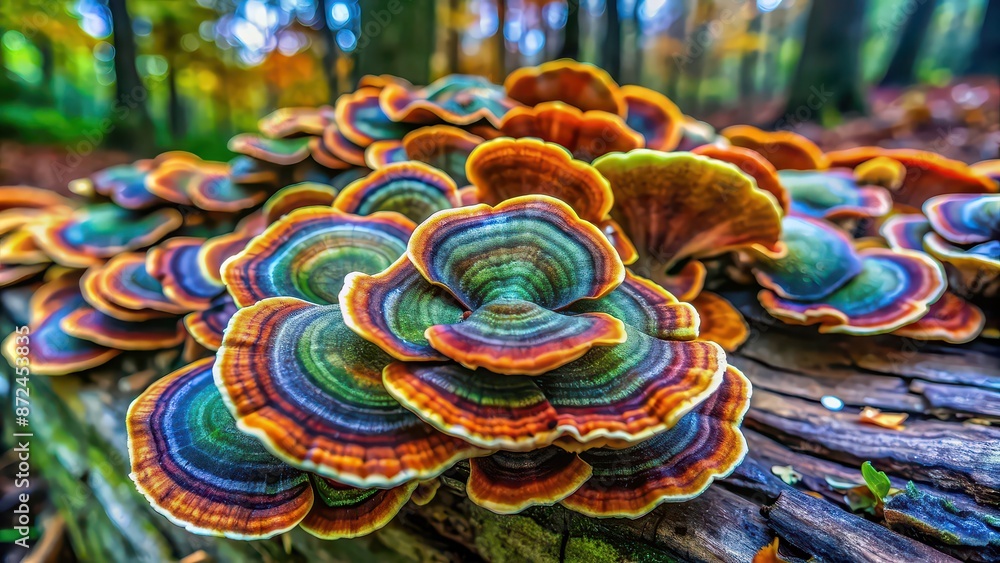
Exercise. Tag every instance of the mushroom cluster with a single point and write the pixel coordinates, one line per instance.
(921, 278)
(517, 284)
(372, 353)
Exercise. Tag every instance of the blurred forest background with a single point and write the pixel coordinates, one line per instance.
(148, 75)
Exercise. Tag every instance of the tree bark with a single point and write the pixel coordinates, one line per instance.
(903, 66)
(135, 126)
(396, 38)
(612, 49)
(748, 66)
(570, 48)
(330, 53)
(175, 110)
(7, 84)
(828, 73)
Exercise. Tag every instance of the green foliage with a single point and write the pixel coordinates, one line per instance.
(877, 481)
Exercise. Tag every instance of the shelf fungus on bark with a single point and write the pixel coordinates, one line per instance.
(52, 351)
(673, 466)
(965, 218)
(87, 323)
(297, 378)
(94, 233)
(834, 195)
(280, 151)
(307, 253)
(927, 174)
(506, 168)
(575, 356)
(361, 118)
(820, 258)
(175, 264)
(185, 179)
(199, 470)
(296, 121)
(952, 318)
(124, 184)
(581, 85)
(295, 196)
(586, 134)
(905, 231)
(444, 147)
(208, 325)
(123, 288)
(894, 288)
(412, 189)
(784, 149)
(654, 116)
(881, 171)
(663, 201)
(457, 99)
(751, 163)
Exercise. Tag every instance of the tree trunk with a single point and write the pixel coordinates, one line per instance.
(748, 67)
(828, 73)
(985, 57)
(612, 49)
(571, 34)
(501, 46)
(175, 110)
(330, 53)
(8, 87)
(134, 124)
(47, 51)
(396, 38)
(903, 66)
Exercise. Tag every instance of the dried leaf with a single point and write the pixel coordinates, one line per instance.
(890, 420)
(769, 554)
(787, 474)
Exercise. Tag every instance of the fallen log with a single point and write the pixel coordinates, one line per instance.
(954, 464)
(835, 536)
